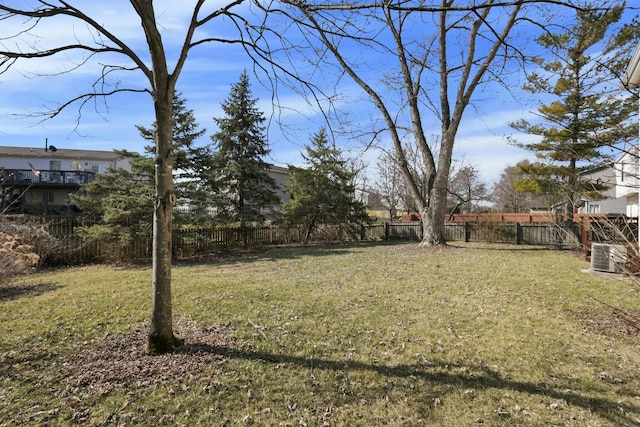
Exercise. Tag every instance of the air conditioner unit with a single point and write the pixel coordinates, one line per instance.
(608, 257)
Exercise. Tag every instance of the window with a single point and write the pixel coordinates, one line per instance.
(54, 165)
(594, 208)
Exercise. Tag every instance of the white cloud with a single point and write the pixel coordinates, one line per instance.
(206, 81)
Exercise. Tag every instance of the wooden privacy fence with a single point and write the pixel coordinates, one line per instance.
(68, 248)
(191, 241)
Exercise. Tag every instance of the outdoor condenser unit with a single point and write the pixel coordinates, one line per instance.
(608, 257)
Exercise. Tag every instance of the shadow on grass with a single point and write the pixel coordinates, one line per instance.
(510, 247)
(450, 377)
(11, 292)
(299, 250)
(282, 252)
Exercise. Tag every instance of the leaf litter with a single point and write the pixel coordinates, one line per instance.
(121, 362)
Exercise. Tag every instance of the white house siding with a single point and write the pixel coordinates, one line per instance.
(281, 176)
(627, 183)
(626, 168)
(55, 176)
(42, 158)
(611, 203)
(631, 80)
(632, 205)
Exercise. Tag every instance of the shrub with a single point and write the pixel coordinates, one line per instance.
(36, 233)
(15, 256)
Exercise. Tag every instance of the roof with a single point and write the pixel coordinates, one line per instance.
(57, 153)
(278, 169)
(631, 78)
(630, 153)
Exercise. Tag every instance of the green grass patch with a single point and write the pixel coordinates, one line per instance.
(345, 335)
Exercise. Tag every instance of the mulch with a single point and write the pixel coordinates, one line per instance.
(121, 361)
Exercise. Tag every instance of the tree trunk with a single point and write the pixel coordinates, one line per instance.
(241, 214)
(307, 234)
(161, 338)
(432, 218)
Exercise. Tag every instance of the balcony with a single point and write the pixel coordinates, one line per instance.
(44, 178)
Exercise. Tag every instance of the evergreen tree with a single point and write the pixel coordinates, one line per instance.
(186, 155)
(236, 176)
(122, 199)
(590, 112)
(323, 193)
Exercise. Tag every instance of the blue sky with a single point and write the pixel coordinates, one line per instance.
(205, 83)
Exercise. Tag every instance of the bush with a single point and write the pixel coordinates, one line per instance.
(15, 256)
(42, 243)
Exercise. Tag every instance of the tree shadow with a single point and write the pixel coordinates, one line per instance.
(449, 376)
(228, 256)
(279, 252)
(11, 292)
(510, 247)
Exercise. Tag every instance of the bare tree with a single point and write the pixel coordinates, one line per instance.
(20, 27)
(505, 195)
(389, 184)
(420, 64)
(465, 187)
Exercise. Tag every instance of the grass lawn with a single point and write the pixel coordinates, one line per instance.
(345, 335)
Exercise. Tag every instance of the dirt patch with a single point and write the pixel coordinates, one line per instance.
(415, 248)
(617, 324)
(121, 362)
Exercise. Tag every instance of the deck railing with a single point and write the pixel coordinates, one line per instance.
(25, 177)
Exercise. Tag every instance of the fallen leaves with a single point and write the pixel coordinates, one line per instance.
(121, 362)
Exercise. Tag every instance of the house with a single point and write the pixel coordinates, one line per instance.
(626, 169)
(281, 176)
(39, 180)
(278, 173)
(628, 182)
(613, 202)
(631, 78)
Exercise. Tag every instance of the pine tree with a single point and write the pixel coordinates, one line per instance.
(123, 200)
(237, 176)
(323, 193)
(187, 155)
(590, 112)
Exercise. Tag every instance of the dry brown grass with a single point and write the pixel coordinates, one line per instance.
(329, 335)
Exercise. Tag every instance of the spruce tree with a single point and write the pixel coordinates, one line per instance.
(237, 179)
(590, 113)
(122, 200)
(323, 193)
(187, 155)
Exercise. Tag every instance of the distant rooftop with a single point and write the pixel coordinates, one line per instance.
(57, 153)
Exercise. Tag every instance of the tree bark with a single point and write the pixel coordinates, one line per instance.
(432, 218)
(161, 338)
